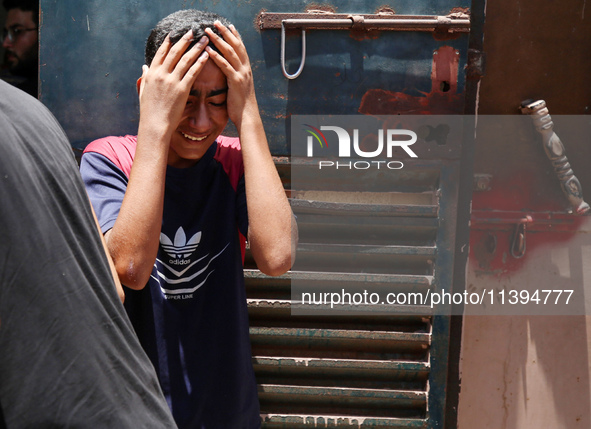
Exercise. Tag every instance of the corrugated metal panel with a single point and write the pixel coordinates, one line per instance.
(351, 370)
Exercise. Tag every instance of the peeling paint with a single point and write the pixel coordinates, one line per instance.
(385, 10)
(444, 71)
(443, 98)
(320, 421)
(360, 35)
(381, 102)
(320, 8)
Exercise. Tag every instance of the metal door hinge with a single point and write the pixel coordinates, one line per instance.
(476, 64)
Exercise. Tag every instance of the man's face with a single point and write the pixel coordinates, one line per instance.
(21, 55)
(204, 118)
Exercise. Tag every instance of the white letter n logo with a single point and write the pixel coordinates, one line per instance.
(344, 140)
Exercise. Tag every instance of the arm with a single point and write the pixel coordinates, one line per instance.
(163, 91)
(111, 265)
(272, 230)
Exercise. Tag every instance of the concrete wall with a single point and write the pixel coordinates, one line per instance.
(529, 372)
(525, 371)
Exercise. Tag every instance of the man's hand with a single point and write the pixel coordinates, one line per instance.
(235, 65)
(164, 86)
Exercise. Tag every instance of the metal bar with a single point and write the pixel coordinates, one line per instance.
(305, 421)
(536, 221)
(335, 337)
(363, 249)
(315, 207)
(315, 21)
(453, 23)
(398, 279)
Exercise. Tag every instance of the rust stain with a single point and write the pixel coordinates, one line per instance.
(442, 35)
(360, 35)
(256, 22)
(443, 98)
(464, 10)
(385, 10)
(444, 72)
(320, 8)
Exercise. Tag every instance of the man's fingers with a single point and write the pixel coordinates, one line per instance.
(162, 51)
(238, 44)
(220, 61)
(226, 45)
(228, 35)
(195, 69)
(177, 50)
(190, 58)
(234, 31)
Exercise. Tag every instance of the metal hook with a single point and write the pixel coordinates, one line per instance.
(518, 241)
(297, 73)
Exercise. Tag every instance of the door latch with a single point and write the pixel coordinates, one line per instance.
(457, 22)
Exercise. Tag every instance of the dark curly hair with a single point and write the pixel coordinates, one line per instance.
(25, 6)
(177, 24)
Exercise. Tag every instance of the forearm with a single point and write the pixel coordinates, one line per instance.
(133, 240)
(109, 259)
(163, 92)
(270, 216)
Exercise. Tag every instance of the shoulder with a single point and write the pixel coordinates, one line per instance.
(120, 150)
(229, 155)
(25, 119)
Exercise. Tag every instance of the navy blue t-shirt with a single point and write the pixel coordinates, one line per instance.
(191, 318)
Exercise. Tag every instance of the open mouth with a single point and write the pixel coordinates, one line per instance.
(195, 139)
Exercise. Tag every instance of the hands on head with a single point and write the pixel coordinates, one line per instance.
(165, 85)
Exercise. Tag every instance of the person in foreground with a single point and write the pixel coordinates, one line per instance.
(69, 356)
(176, 203)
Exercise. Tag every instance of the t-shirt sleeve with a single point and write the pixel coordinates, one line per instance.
(106, 185)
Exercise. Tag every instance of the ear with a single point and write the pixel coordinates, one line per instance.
(145, 69)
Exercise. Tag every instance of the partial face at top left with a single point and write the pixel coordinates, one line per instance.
(21, 43)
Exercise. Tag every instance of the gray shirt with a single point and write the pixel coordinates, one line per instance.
(68, 353)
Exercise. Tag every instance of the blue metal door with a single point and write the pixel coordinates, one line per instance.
(382, 371)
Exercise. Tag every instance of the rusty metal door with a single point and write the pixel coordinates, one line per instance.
(361, 58)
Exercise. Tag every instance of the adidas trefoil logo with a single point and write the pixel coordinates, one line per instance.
(182, 248)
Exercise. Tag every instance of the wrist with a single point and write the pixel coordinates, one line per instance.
(155, 130)
(249, 116)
